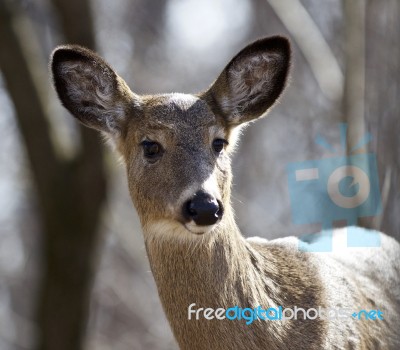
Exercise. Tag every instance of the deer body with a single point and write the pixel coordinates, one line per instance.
(177, 148)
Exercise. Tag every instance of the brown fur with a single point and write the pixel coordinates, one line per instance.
(215, 266)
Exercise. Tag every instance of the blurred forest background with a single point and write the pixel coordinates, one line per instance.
(73, 269)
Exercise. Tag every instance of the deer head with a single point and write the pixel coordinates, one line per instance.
(176, 147)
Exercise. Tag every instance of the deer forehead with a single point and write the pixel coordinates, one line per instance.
(179, 117)
(177, 108)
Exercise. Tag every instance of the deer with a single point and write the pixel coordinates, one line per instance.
(177, 151)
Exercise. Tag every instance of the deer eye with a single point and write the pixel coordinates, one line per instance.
(151, 150)
(218, 145)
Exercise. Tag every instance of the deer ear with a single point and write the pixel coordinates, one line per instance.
(90, 89)
(252, 81)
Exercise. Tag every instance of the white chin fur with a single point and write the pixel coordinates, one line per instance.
(171, 229)
(192, 227)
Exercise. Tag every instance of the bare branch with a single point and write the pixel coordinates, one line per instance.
(314, 47)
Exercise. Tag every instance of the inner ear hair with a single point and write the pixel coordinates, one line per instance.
(89, 88)
(252, 81)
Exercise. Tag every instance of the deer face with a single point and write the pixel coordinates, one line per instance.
(177, 162)
(175, 146)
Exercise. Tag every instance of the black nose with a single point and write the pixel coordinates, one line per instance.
(203, 209)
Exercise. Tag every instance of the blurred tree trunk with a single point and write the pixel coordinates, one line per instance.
(354, 82)
(382, 104)
(354, 85)
(372, 91)
(70, 193)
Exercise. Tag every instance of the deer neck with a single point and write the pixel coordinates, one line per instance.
(216, 270)
(223, 270)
